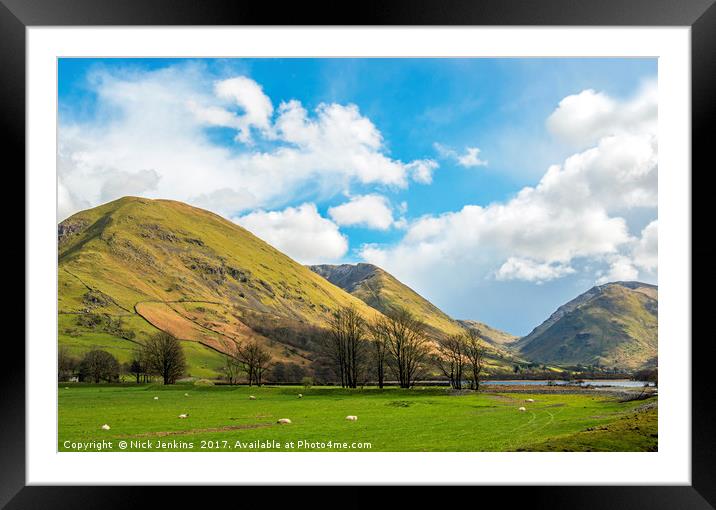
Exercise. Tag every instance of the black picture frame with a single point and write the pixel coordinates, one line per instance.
(700, 15)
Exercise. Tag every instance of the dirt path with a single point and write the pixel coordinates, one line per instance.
(226, 428)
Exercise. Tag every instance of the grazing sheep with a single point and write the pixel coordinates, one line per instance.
(186, 394)
(530, 400)
(251, 397)
(105, 427)
(183, 416)
(352, 418)
(300, 395)
(522, 409)
(67, 387)
(156, 398)
(284, 421)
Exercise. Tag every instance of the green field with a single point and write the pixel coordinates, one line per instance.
(201, 360)
(430, 419)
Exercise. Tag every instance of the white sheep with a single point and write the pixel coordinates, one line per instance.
(530, 400)
(156, 398)
(300, 395)
(186, 394)
(105, 427)
(251, 397)
(351, 418)
(522, 409)
(183, 416)
(284, 421)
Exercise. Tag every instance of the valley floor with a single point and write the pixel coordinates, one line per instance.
(428, 419)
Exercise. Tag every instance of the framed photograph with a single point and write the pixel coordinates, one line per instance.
(425, 248)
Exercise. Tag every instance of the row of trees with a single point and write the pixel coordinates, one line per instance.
(160, 355)
(395, 340)
(395, 343)
(398, 342)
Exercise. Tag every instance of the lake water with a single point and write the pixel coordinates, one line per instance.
(622, 383)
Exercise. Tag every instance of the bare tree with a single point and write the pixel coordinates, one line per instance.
(451, 358)
(256, 360)
(233, 361)
(98, 365)
(474, 352)
(346, 344)
(406, 344)
(378, 349)
(163, 355)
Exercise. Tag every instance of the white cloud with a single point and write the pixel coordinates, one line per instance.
(300, 232)
(245, 94)
(575, 213)
(67, 201)
(422, 170)
(646, 250)
(619, 173)
(157, 120)
(463, 247)
(248, 95)
(641, 254)
(582, 119)
(621, 268)
(119, 184)
(470, 158)
(531, 271)
(227, 199)
(372, 211)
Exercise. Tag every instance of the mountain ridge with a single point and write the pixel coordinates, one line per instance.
(382, 291)
(134, 266)
(614, 324)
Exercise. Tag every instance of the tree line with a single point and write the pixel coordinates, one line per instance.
(397, 343)
(352, 350)
(161, 355)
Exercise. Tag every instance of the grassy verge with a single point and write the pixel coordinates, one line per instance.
(636, 432)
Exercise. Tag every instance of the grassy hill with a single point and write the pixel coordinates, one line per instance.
(611, 325)
(382, 291)
(134, 265)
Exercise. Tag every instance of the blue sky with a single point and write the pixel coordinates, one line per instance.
(485, 237)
